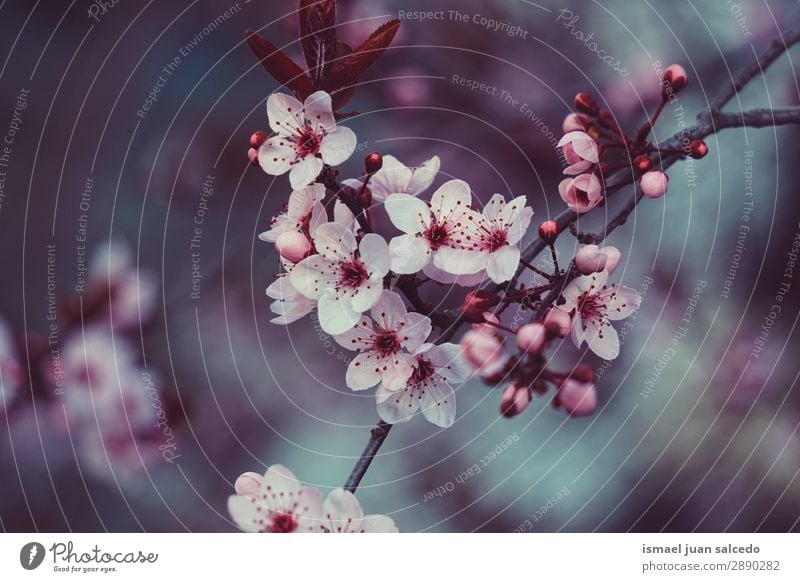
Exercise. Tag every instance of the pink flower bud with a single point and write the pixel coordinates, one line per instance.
(613, 257)
(252, 155)
(258, 138)
(483, 348)
(515, 400)
(578, 398)
(373, 162)
(560, 318)
(580, 151)
(548, 231)
(293, 246)
(576, 122)
(581, 193)
(698, 149)
(590, 259)
(531, 338)
(248, 483)
(654, 183)
(674, 80)
(585, 103)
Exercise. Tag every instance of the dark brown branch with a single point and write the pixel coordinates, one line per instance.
(775, 50)
(377, 436)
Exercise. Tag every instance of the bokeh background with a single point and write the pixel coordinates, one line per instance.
(703, 438)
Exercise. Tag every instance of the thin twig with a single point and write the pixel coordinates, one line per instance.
(376, 438)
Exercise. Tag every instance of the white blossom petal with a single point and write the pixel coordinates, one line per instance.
(338, 145)
(409, 214)
(336, 315)
(304, 172)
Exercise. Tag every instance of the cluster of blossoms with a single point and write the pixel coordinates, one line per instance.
(333, 262)
(277, 503)
(591, 133)
(107, 401)
(367, 287)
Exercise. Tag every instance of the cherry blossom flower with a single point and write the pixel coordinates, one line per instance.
(595, 306)
(278, 503)
(11, 372)
(499, 233)
(395, 177)
(307, 137)
(115, 277)
(581, 193)
(380, 341)
(345, 278)
(342, 513)
(445, 230)
(289, 304)
(580, 150)
(303, 212)
(429, 388)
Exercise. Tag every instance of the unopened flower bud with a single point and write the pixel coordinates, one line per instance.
(576, 122)
(476, 304)
(674, 80)
(373, 162)
(578, 398)
(483, 349)
(252, 155)
(697, 149)
(590, 259)
(558, 320)
(613, 257)
(515, 400)
(248, 483)
(642, 164)
(585, 103)
(654, 183)
(531, 338)
(257, 139)
(548, 231)
(293, 246)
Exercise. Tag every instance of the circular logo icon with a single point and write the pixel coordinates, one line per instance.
(31, 555)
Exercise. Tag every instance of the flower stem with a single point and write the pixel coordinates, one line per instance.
(376, 437)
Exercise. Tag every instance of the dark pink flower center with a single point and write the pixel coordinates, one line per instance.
(386, 343)
(494, 238)
(424, 370)
(590, 306)
(353, 274)
(308, 142)
(437, 234)
(283, 523)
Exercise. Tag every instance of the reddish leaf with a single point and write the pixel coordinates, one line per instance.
(282, 68)
(318, 36)
(347, 70)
